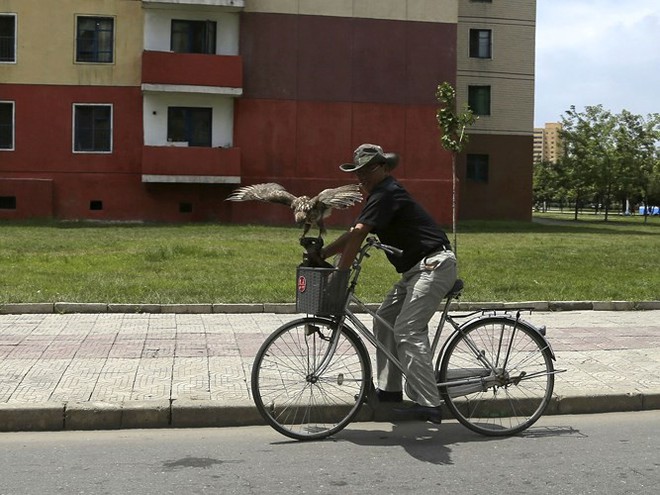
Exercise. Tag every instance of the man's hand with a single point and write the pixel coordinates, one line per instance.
(354, 239)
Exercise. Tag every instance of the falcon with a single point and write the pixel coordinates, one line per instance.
(306, 211)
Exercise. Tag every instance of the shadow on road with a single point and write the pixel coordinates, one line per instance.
(432, 443)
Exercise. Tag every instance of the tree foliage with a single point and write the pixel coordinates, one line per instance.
(453, 136)
(608, 159)
(451, 123)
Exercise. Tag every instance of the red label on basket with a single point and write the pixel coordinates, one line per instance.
(302, 283)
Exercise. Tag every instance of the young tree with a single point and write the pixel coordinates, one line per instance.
(453, 137)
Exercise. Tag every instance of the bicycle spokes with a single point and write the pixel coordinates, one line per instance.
(310, 378)
(496, 375)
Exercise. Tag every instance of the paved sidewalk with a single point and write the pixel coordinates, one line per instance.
(119, 370)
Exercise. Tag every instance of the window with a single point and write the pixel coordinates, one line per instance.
(6, 125)
(193, 36)
(189, 124)
(477, 168)
(7, 38)
(480, 43)
(7, 202)
(92, 128)
(479, 99)
(95, 39)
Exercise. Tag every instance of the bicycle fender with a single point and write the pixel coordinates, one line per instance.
(540, 331)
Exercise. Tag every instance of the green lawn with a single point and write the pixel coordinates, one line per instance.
(210, 263)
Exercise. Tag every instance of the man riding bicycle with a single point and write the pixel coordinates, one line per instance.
(428, 271)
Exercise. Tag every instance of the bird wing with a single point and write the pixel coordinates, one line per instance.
(270, 192)
(339, 197)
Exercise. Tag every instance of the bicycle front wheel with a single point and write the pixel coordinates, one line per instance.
(506, 372)
(303, 387)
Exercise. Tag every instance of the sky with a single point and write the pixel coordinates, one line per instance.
(591, 52)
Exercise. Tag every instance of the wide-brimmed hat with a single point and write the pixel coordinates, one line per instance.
(369, 154)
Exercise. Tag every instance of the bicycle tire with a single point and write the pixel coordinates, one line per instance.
(291, 397)
(502, 403)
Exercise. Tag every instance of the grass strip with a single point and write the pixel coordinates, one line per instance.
(549, 259)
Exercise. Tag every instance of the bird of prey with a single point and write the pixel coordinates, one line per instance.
(306, 211)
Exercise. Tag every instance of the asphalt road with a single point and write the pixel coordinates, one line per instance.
(604, 454)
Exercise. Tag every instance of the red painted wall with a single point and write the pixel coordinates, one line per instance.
(44, 150)
(44, 121)
(192, 68)
(317, 87)
(288, 57)
(508, 193)
(33, 198)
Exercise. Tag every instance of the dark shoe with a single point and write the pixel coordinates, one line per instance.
(385, 396)
(432, 414)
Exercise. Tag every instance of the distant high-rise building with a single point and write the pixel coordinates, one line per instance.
(547, 143)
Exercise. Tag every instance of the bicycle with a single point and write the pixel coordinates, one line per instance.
(311, 376)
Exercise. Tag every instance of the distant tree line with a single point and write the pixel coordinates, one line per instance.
(608, 161)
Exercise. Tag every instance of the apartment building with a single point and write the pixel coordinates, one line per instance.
(495, 76)
(155, 110)
(547, 143)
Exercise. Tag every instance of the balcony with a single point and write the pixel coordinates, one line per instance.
(182, 164)
(192, 73)
(231, 5)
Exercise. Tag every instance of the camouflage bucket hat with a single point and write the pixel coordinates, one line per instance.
(369, 154)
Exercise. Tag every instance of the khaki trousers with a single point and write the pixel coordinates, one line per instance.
(408, 308)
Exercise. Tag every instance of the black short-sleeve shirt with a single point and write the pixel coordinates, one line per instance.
(398, 220)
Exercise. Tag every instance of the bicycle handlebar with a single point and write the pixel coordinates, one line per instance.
(372, 241)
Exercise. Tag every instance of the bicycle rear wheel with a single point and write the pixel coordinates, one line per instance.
(511, 398)
(297, 397)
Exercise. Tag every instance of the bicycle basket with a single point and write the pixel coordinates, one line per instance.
(319, 294)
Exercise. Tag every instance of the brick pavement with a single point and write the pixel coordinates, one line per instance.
(110, 370)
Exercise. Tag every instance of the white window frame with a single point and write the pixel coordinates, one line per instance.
(15, 16)
(73, 128)
(13, 125)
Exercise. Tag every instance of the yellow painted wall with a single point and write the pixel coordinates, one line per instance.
(510, 72)
(46, 31)
(399, 10)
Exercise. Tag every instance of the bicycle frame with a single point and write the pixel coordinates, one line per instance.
(312, 375)
(368, 334)
(479, 379)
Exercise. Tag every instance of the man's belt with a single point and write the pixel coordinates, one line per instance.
(437, 249)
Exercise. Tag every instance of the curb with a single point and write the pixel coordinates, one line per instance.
(188, 413)
(182, 413)
(290, 308)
